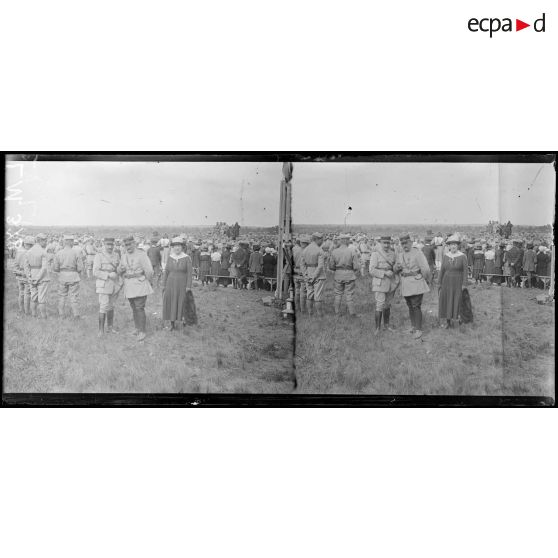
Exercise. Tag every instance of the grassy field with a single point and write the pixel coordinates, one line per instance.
(239, 346)
(508, 350)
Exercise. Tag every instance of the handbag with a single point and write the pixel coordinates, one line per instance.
(466, 307)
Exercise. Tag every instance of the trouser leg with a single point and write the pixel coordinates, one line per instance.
(338, 288)
(349, 297)
(132, 302)
(140, 313)
(386, 313)
(74, 298)
(21, 296)
(110, 320)
(411, 311)
(417, 304)
(102, 318)
(62, 296)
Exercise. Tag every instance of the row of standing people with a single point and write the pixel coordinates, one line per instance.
(128, 270)
(407, 269)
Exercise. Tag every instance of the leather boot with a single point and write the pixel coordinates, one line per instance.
(412, 318)
(102, 317)
(318, 306)
(110, 321)
(42, 311)
(377, 321)
(351, 309)
(34, 309)
(387, 312)
(27, 305)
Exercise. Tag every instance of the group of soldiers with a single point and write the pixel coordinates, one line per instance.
(412, 264)
(407, 267)
(129, 270)
(132, 265)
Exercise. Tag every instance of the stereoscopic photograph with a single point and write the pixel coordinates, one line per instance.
(285, 276)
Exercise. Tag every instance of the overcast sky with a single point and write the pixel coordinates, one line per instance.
(140, 193)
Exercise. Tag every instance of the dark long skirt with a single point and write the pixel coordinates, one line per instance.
(449, 306)
(205, 269)
(215, 267)
(174, 297)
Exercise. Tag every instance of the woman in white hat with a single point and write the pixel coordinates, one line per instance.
(177, 280)
(453, 279)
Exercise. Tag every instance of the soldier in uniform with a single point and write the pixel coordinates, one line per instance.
(299, 271)
(68, 263)
(137, 272)
(35, 266)
(107, 284)
(154, 255)
(24, 290)
(344, 263)
(365, 253)
(415, 275)
(384, 281)
(89, 251)
(313, 258)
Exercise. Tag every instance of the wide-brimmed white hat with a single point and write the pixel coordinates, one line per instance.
(453, 239)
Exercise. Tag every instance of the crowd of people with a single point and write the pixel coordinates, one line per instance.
(137, 266)
(413, 265)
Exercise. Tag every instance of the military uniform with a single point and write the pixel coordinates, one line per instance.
(90, 252)
(313, 258)
(23, 285)
(107, 285)
(383, 287)
(298, 277)
(366, 255)
(137, 272)
(68, 264)
(415, 275)
(35, 265)
(344, 262)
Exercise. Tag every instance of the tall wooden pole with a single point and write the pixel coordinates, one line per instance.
(284, 231)
(552, 267)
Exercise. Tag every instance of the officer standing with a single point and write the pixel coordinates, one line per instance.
(415, 277)
(384, 281)
(313, 258)
(89, 251)
(344, 262)
(35, 265)
(299, 280)
(107, 284)
(24, 290)
(137, 272)
(68, 263)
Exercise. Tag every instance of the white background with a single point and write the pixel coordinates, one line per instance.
(276, 75)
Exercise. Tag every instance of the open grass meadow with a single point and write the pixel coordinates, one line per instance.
(238, 346)
(507, 350)
(242, 346)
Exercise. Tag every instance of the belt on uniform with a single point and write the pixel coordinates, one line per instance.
(349, 267)
(405, 274)
(311, 265)
(68, 269)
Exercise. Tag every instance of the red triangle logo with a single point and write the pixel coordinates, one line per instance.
(519, 25)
